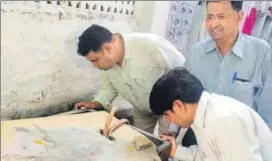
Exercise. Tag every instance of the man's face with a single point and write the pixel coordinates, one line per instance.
(182, 114)
(222, 20)
(103, 59)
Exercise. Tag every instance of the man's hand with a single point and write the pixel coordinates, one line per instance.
(173, 142)
(87, 105)
(170, 133)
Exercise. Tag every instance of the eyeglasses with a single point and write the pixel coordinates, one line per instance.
(219, 17)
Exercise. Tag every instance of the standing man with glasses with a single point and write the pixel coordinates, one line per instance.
(232, 63)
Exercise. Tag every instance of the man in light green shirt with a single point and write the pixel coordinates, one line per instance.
(131, 63)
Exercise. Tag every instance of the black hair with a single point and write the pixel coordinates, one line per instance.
(177, 84)
(236, 5)
(92, 39)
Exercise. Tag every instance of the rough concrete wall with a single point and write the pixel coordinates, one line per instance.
(41, 73)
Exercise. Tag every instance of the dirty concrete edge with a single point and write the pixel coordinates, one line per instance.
(25, 113)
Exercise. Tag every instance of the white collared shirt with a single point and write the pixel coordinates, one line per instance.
(227, 130)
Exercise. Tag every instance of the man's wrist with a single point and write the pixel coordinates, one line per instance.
(174, 147)
(98, 106)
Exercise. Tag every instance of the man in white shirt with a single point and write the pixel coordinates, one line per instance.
(130, 65)
(225, 129)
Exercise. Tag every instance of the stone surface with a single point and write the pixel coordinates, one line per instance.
(70, 137)
(78, 144)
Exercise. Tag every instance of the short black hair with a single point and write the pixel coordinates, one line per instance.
(236, 5)
(177, 84)
(92, 39)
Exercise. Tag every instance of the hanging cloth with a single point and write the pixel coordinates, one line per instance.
(267, 29)
(250, 21)
(258, 28)
(270, 39)
(259, 24)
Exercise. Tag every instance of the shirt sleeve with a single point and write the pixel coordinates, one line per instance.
(107, 93)
(169, 53)
(263, 99)
(235, 141)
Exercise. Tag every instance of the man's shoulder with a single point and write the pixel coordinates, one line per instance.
(255, 48)
(251, 40)
(140, 36)
(225, 106)
(199, 49)
(202, 45)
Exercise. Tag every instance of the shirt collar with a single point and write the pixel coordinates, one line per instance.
(126, 45)
(201, 109)
(237, 48)
(211, 46)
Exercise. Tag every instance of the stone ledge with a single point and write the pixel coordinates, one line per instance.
(23, 113)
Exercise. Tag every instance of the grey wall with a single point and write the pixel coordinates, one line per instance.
(41, 73)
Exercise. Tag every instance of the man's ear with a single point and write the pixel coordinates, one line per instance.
(240, 16)
(106, 47)
(178, 106)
